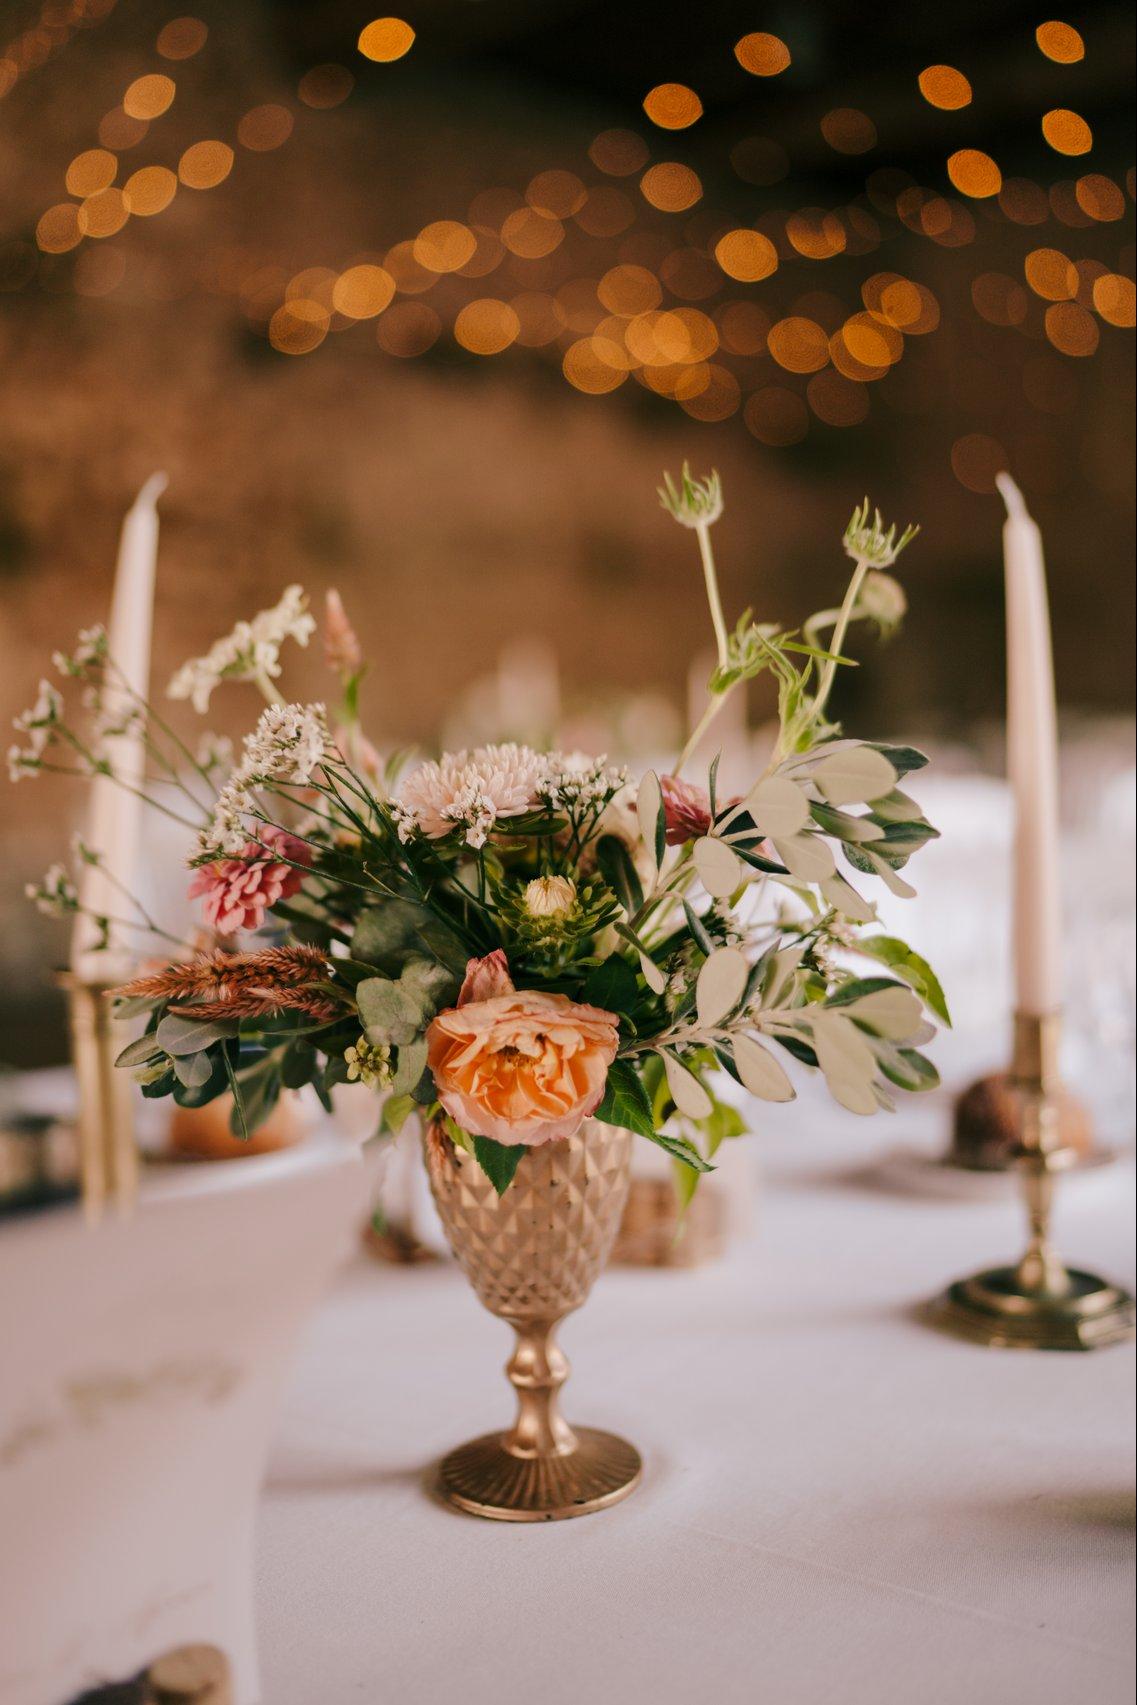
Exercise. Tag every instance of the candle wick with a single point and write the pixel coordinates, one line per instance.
(1011, 495)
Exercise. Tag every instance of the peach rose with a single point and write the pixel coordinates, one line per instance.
(521, 1067)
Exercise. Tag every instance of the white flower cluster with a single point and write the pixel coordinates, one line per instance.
(250, 653)
(90, 649)
(577, 783)
(56, 895)
(288, 743)
(471, 791)
(38, 723)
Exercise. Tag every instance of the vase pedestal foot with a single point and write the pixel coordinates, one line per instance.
(484, 1478)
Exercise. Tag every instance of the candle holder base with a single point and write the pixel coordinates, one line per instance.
(996, 1308)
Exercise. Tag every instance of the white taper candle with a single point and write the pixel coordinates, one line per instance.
(114, 824)
(1032, 763)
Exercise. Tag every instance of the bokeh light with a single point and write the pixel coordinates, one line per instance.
(761, 54)
(385, 39)
(298, 326)
(619, 153)
(1115, 298)
(325, 86)
(974, 173)
(150, 190)
(264, 128)
(150, 96)
(93, 170)
(1060, 42)
(1067, 132)
(836, 400)
(776, 416)
(945, 87)
(798, 344)
(103, 214)
(671, 187)
(444, 246)
(848, 130)
(672, 106)
(976, 459)
(1100, 197)
(205, 164)
(586, 371)
(118, 131)
(181, 38)
(556, 194)
(1071, 329)
(629, 290)
(486, 326)
(58, 229)
(408, 329)
(362, 291)
(531, 235)
(1051, 275)
(746, 255)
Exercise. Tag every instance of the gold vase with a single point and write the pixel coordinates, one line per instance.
(532, 1256)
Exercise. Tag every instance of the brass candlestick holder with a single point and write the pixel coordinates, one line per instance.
(108, 1156)
(1039, 1304)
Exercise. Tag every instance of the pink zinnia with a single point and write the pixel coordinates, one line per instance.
(686, 810)
(237, 892)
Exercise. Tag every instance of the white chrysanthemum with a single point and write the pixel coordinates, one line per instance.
(471, 790)
(251, 652)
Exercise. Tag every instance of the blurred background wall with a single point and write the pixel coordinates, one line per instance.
(421, 308)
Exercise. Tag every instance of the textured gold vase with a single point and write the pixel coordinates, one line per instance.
(532, 1256)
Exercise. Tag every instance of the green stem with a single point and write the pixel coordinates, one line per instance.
(703, 534)
(838, 639)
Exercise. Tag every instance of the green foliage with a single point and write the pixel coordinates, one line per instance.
(499, 1161)
(626, 1100)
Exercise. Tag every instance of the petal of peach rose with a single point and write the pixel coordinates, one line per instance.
(522, 1067)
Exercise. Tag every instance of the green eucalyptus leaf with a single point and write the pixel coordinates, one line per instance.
(178, 1036)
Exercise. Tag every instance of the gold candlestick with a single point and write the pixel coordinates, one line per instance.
(1040, 1303)
(108, 1157)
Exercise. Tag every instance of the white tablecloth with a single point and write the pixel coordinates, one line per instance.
(839, 1504)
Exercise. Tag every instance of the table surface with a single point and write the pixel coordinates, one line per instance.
(839, 1504)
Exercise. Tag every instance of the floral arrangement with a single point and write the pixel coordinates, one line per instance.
(512, 941)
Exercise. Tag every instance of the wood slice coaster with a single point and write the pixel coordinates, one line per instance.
(191, 1675)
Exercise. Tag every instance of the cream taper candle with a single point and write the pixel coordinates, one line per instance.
(1032, 763)
(114, 824)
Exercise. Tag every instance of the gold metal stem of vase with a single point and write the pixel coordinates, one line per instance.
(1040, 1303)
(108, 1156)
(537, 1369)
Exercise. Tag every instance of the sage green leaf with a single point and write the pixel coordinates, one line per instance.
(856, 775)
(761, 1073)
(721, 984)
(687, 1092)
(778, 806)
(193, 1070)
(846, 1059)
(178, 1036)
(389, 934)
(718, 869)
(807, 857)
(893, 1013)
(844, 897)
(395, 1112)
(409, 1068)
(626, 1102)
(653, 976)
(916, 972)
(844, 826)
(388, 1012)
(140, 1053)
(499, 1161)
